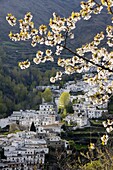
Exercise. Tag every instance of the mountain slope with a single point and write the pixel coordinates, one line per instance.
(41, 9)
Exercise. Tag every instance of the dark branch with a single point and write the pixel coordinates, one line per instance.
(97, 3)
(86, 59)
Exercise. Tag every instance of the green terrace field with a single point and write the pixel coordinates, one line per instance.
(86, 135)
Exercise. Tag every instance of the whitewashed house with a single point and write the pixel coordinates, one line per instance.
(95, 113)
(55, 141)
(76, 86)
(17, 115)
(49, 119)
(22, 116)
(4, 122)
(50, 87)
(56, 128)
(89, 110)
(46, 109)
(79, 120)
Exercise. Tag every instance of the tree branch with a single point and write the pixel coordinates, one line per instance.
(86, 59)
(97, 3)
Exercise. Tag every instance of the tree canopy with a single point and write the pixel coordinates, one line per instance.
(64, 100)
(33, 128)
(47, 95)
(64, 103)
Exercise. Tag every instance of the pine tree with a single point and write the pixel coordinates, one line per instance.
(33, 128)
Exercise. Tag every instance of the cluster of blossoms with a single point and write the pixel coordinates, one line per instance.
(92, 146)
(70, 64)
(109, 31)
(57, 77)
(42, 59)
(108, 3)
(108, 124)
(56, 34)
(102, 64)
(86, 9)
(11, 19)
(104, 139)
(23, 65)
(25, 25)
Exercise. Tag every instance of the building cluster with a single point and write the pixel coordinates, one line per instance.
(83, 109)
(52, 87)
(71, 86)
(75, 88)
(44, 116)
(26, 149)
(83, 112)
(23, 150)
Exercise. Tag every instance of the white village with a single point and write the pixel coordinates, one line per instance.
(27, 148)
